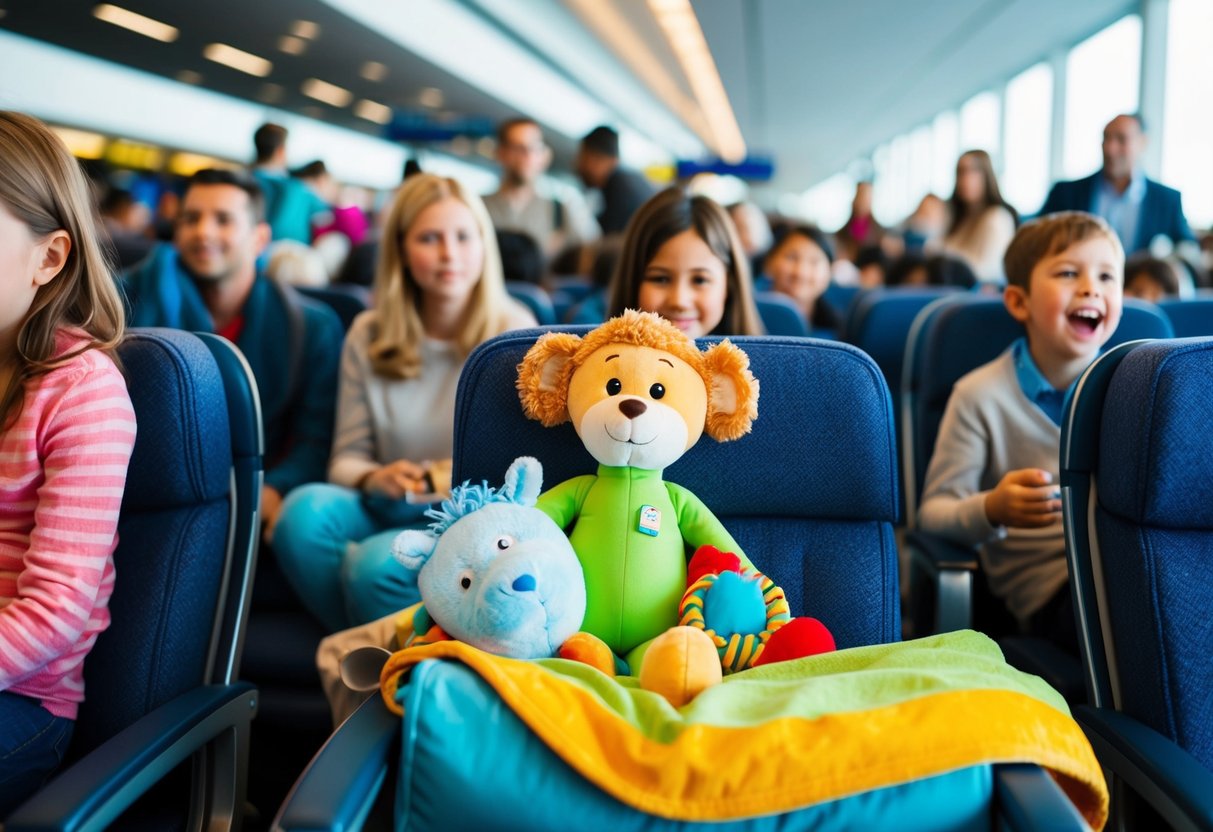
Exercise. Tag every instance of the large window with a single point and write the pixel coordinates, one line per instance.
(1102, 81)
(979, 124)
(1025, 178)
(1187, 162)
(946, 133)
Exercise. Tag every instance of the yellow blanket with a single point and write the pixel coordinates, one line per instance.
(789, 735)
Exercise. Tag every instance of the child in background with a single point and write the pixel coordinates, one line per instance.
(66, 434)
(438, 292)
(799, 266)
(993, 477)
(1149, 278)
(683, 260)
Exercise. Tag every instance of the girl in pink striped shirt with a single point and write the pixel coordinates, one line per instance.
(66, 434)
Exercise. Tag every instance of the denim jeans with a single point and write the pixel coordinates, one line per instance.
(334, 545)
(33, 742)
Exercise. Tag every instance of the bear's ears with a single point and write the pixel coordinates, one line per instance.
(732, 392)
(543, 378)
(523, 481)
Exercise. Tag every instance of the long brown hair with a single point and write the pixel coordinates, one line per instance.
(667, 215)
(395, 349)
(991, 194)
(41, 185)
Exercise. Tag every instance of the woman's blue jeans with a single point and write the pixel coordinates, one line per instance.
(335, 546)
(33, 742)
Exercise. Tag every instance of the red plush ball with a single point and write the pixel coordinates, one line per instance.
(708, 560)
(798, 638)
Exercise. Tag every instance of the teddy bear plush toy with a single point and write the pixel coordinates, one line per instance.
(639, 394)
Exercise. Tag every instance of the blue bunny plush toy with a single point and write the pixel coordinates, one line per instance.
(497, 573)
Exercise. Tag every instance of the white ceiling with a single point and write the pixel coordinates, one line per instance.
(814, 83)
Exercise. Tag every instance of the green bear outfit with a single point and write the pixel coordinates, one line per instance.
(626, 568)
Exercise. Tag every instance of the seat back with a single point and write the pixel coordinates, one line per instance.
(175, 560)
(1151, 557)
(533, 298)
(1190, 317)
(1079, 450)
(810, 493)
(248, 476)
(347, 300)
(779, 314)
(956, 335)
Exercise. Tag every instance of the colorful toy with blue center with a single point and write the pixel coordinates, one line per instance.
(639, 394)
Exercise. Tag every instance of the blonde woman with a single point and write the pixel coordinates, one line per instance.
(438, 292)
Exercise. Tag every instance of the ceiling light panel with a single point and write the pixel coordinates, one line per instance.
(326, 92)
(305, 29)
(292, 45)
(374, 71)
(373, 111)
(136, 22)
(235, 58)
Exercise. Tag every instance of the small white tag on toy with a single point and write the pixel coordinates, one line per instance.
(650, 521)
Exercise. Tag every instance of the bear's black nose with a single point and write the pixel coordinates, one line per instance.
(632, 407)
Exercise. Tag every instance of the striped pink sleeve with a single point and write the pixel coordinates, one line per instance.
(84, 431)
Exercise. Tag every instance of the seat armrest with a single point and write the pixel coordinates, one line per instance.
(1167, 777)
(939, 554)
(950, 567)
(340, 784)
(95, 790)
(1027, 799)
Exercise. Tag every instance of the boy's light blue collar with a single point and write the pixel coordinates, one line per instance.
(1034, 384)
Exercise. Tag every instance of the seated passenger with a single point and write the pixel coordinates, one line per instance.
(982, 223)
(1149, 278)
(67, 429)
(799, 267)
(438, 293)
(682, 259)
(992, 481)
(210, 282)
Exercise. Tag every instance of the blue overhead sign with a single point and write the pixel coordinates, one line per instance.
(423, 127)
(752, 168)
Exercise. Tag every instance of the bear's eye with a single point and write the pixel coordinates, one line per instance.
(465, 579)
(657, 390)
(505, 542)
(614, 387)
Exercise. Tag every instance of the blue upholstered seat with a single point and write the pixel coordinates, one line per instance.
(1190, 317)
(1137, 480)
(780, 315)
(160, 681)
(533, 298)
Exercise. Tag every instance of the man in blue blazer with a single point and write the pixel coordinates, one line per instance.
(209, 281)
(1139, 209)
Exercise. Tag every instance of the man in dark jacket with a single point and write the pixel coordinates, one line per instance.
(1137, 208)
(209, 281)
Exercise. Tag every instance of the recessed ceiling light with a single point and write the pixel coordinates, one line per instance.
(373, 111)
(188, 76)
(292, 45)
(431, 97)
(326, 92)
(305, 29)
(135, 22)
(374, 71)
(221, 53)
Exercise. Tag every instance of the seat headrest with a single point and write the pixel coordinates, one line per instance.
(181, 412)
(822, 445)
(1155, 462)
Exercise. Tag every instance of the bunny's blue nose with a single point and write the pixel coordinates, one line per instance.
(524, 583)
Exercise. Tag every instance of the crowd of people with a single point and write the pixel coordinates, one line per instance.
(359, 422)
